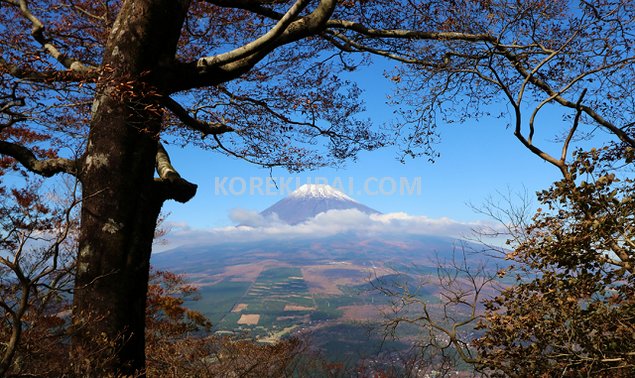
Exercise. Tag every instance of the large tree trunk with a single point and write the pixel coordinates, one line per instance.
(121, 202)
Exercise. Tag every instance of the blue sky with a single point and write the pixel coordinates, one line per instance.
(477, 160)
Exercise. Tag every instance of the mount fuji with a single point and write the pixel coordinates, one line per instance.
(310, 200)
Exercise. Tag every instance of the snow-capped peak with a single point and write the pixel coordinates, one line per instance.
(320, 191)
(310, 200)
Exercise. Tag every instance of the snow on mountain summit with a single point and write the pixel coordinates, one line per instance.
(310, 200)
(320, 191)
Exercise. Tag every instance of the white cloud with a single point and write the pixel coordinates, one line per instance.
(254, 227)
(252, 218)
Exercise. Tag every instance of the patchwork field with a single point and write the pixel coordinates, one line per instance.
(248, 319)
(282, 298)
(324, 289)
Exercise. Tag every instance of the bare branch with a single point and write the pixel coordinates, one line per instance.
(276, 114)
(252, 6)
(576, 121)
(45, 167)
(545, 87)
(170, 184)
(408, 34)
(17, 325)
(7, 104)
(164, 166)
(506, 50)
(518, 126)
(190, 75)
(537, 68)
(258, 44)
(37, 32)
(46, 76)
(348, 45)
(206, 128)
(240, 156)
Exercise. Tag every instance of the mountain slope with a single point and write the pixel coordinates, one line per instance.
(310, 200)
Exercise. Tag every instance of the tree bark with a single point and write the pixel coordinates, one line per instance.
(121, 202)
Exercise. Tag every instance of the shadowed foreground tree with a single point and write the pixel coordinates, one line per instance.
(113, 80)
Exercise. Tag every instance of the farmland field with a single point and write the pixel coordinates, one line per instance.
(325, 290)
(279, 300)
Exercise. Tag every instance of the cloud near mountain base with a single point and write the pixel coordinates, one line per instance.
(253, 226)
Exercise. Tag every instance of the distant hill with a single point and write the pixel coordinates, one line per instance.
(404, 250)
(310, 200)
